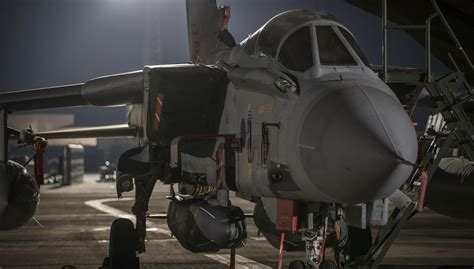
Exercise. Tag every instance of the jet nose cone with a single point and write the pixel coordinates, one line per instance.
(351, 143)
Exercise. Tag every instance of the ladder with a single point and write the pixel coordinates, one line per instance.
(449, 90)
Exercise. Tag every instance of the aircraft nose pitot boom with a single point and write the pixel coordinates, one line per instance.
(355, 144)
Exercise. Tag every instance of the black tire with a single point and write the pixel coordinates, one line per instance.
(106, 263)
(123, 245)
(123, 238)
(328, 265)
(297, 264)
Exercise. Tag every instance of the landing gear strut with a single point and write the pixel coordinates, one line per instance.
(125, 239)
(144, 188)
(134, 169)
(325, 237)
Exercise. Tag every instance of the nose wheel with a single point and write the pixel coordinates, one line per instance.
(325, 238)
(122, 246)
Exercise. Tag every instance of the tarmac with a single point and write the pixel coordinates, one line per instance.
(76, 220)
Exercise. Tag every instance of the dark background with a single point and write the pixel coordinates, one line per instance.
(53, 42)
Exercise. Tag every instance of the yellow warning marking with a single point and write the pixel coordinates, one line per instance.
(265, 108)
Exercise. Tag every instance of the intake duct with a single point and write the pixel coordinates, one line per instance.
(451, 189)
(202, 227)
(19, 196)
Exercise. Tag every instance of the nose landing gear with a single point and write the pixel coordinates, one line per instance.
(325, 237)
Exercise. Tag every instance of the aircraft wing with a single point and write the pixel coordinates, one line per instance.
(120, 130)
(168, 100)
(110, 90)
(458, 13)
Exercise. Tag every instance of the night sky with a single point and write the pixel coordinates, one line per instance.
(53, 42)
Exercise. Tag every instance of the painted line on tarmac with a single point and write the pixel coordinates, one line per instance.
(56, 216)
(258, 238)
(241, 262)
(99, 205)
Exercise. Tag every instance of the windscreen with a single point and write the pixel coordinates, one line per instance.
(331, 49)
(296, 53)
(354, 45)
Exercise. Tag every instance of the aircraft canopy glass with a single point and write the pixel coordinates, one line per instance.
(354, 45)
(296, 53)
(331, 49)
(268, 39)
(288, 38)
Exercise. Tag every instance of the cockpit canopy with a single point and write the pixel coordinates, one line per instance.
(301, 39)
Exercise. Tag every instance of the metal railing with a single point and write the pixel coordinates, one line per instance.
(427, 28)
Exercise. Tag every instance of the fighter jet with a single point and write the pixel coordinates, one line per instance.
(292, 118)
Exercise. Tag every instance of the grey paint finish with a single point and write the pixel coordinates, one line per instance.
(110, 90)
(341, 129)
(125, 88)
(342, 135)
(269, 38)
(351, 140)
(204, 30)
(52, 97)
(122, 130)
(337, 136)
